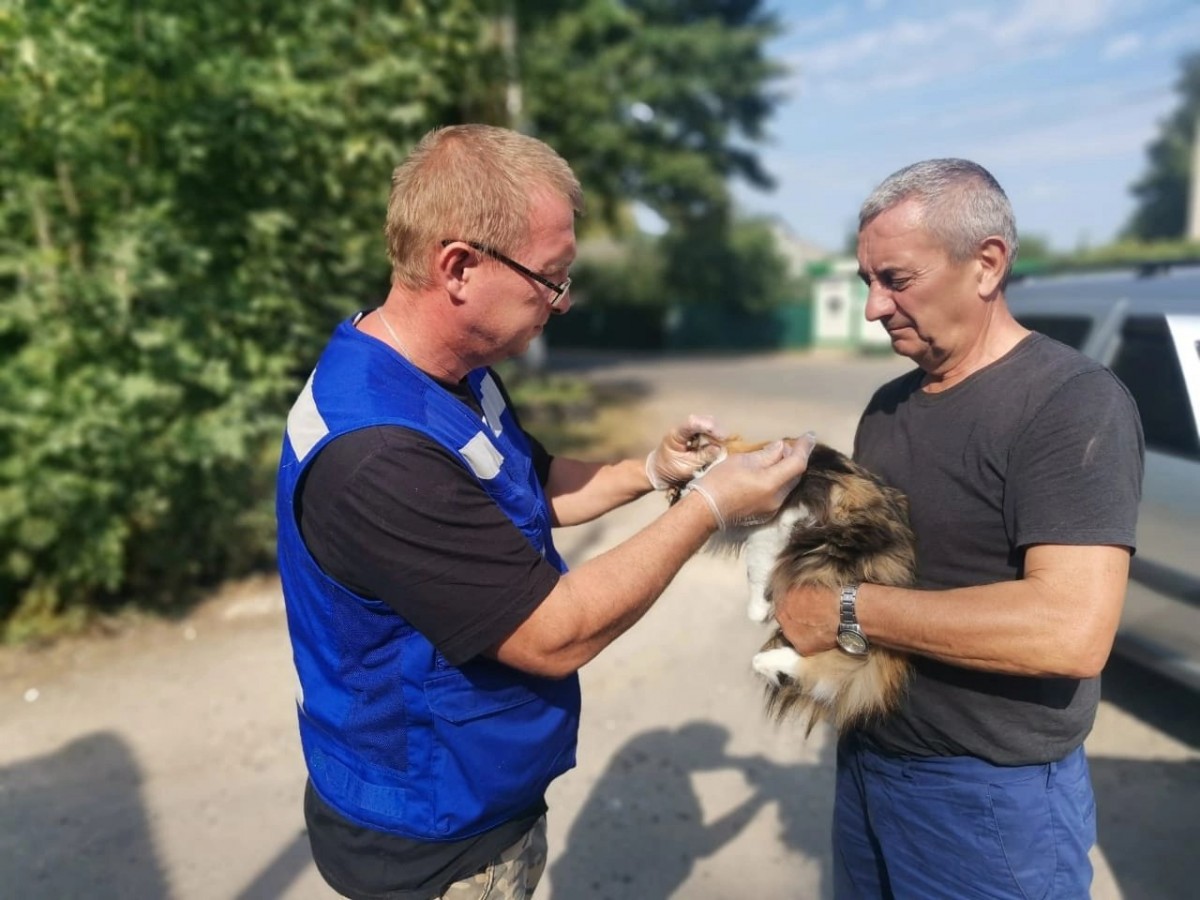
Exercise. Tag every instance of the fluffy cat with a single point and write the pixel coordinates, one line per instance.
(840, 525)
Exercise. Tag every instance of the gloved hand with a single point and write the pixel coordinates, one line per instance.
(685, 450)
(749, 488)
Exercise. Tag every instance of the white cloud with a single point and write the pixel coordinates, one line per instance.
(1182, 33)
(1048, 190)
(906, 52)
(1119, 133)
(864, 47)
(1054, 103)
(1122, 46)
(827, 21)
(1058, 97)
(1034, 20)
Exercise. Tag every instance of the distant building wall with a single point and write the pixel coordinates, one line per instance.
(839, 308)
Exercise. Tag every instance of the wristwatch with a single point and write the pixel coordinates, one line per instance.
(849, 636)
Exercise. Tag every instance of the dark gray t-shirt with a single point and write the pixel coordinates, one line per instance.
(1044, 446)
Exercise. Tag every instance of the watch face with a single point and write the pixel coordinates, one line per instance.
(852, 642)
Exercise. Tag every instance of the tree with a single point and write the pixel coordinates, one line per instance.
(659, 102)
(733, 264)
(1162, 192)
(191, 196)
(656, 101)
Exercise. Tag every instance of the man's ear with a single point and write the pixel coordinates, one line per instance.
(992, 258)
(454, 267)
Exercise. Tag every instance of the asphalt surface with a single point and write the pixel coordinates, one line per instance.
(162, 761)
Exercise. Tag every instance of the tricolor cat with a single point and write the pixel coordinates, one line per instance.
(840, 526)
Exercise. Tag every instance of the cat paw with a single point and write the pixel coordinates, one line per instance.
(758, 609)
(778, 665)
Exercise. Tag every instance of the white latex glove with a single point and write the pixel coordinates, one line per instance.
(749, 488)
(685, 450)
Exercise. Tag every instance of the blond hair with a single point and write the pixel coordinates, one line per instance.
(470, 183)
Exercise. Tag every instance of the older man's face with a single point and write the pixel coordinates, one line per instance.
(928, 303)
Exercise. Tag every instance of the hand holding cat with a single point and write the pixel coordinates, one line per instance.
(808, 617)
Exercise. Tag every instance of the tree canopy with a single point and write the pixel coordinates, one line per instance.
(657, 101)
(1162, 192)
(193, 193)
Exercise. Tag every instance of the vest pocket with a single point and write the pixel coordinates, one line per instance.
(499, 738)
(459, 699)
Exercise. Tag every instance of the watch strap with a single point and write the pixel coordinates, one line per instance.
(848, 605)
(850, 636)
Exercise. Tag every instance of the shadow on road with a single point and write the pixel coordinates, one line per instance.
(74, 825)
(1141, 806)
(1142, 803)
(642, 828)
(1159, 702)
(279, 874)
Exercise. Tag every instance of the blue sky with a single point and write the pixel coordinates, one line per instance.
(1057, 98)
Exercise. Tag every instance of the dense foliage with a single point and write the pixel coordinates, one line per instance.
(654, 100)
(1124, 254)
(189, 199)
(192, 194)
(660, 102)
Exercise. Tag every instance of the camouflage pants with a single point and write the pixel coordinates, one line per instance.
(512, 875)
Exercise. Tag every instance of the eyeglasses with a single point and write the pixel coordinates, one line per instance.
(559, 289)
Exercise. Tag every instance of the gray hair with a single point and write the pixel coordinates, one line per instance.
(960, 202)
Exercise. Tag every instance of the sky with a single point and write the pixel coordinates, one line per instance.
(1058, 99)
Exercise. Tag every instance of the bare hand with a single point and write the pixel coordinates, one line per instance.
(808, 617)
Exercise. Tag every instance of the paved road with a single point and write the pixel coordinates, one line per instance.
(162, 762)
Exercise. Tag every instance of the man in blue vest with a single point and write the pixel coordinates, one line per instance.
(435, 629)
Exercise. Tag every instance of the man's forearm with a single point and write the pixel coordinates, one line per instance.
(1045, 624)
(1059, 620)
(581, 491)
(595, 603)
(1008, 627)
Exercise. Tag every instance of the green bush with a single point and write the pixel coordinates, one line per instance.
(1122, 254)
(192, 196)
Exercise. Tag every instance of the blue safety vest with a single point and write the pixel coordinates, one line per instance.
(394, 737)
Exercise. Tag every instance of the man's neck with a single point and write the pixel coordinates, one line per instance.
(405, 322)
(999, 335)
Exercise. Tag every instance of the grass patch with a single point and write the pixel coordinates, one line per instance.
(574, 417)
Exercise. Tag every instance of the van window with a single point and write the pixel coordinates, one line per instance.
(1070, 330)
(1146, 362)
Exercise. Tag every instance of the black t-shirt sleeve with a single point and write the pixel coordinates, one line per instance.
(1080, 466)
(541, 459)
(392, 515)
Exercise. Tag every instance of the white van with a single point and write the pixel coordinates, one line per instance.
(1145, 325)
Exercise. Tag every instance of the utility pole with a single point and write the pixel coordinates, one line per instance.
(1193, 222)
(533, 360)
(513, 100)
